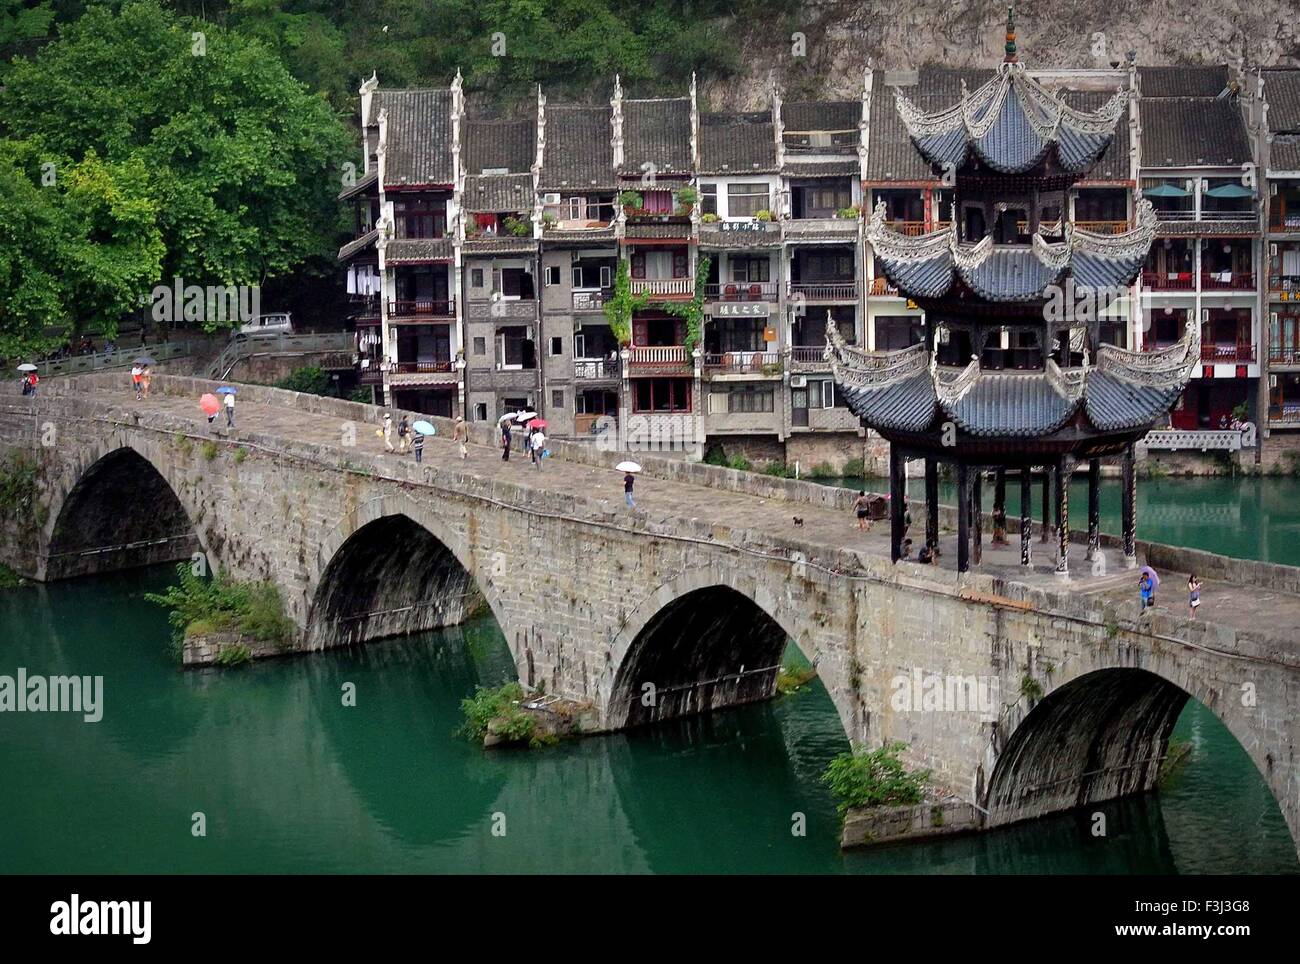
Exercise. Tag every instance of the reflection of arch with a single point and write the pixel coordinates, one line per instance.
(389, 568)
(1099, 735)
(699, 628)
(119, 512)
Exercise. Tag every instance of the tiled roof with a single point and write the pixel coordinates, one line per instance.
(656, 132)
(731, 143)
(657, 231)
(363, 185)
(715, 238)
(799, 168)
(507, 244)
(1115, 403)
(1022, 404)
(1285, 153)
(1282, 94)
(414, 250)
(497, 193)
(1194, 132)
(903, 406)
(559, 236)
(578, 152)
(507, 145)
(891, 155)
(1113, 165)
(1182, 81)
(418, 137)
(830, 115)
(842, 230)
(352, 247)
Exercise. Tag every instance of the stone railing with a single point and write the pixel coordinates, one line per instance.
(243, 346)
(120, 357)
(1216, 440)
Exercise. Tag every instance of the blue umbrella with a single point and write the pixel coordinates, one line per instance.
(226, 390)
(423, 427)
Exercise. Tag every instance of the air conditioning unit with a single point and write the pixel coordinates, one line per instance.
(1272, 250)
(798, 381)
(819, 139)
(550, 199)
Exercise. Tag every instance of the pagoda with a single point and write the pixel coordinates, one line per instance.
(1012, 373)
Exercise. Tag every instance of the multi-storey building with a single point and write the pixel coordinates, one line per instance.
(486, 251)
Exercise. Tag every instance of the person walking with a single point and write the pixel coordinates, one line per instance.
(32, 382)
(629, 480)
(230, 409)
(417, 445)
(539, 447)
(505, 441)
(136, 371)
(1193, 595)
(1145, 589)
(386, 430)
(860, 510)
(460, 435)
(146, 374)
(907, 519)
(403, 435)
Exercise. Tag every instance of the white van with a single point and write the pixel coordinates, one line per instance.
(276, 323)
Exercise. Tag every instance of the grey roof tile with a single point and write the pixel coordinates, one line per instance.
(1184, 81)
(578, 153)
(657, 132)
(509, 145)
(1113, 164)
(795, 167)
(1021, 404)
(1282, 94)
(731, 143)
(1194, 132)
(412, 250)
(903, 406)
(1285, 153)
(498, 193)
(1113, 403)
(829, 115)
(418, 137)
(352, 247)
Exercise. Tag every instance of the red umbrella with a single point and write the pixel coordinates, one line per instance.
(209, 404)
(537, 423)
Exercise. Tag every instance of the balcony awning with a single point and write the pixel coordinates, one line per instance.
(1230, 190)
(1165, 190)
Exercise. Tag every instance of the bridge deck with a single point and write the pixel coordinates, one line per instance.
(1243, 607)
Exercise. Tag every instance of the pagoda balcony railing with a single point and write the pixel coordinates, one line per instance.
(1283, 356)
(1169, 280)
(436, 308)
(825, 290)
(1227, 280)
(744, 363)
(743, 291)
(916, 228)
(1191, 214)
(1228, 353)
(371, 375)
(663, 286)
(1103, 227)
(1284, 282)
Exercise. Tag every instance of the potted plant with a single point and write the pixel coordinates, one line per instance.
(632, 202)
(763, 215)
(518, 227)
(849, 212)
(686, 197)
(548, 220)
(710, 218)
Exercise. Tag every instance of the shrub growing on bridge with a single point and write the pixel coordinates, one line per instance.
(874, 778)
(222, 604)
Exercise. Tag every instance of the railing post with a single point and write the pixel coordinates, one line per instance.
(932, 504)
(1128, 520)
(897, 467)
(963, 518)
(1026, 515)
(1094, 510)
(1063, 518)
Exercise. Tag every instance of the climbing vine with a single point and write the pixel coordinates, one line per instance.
(620, 305)
(18, 489)
(693, 310)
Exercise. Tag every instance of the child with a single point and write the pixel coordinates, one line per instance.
(1145, 590)
(417, 444)
(1193, 595)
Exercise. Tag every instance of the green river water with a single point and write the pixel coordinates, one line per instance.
(290, 780)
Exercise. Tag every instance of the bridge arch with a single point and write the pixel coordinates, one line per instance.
(117, 505)
(1101, 732)
(393, 566)
(710, 638)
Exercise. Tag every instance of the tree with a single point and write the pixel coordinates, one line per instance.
(621, 303)
(240, 158)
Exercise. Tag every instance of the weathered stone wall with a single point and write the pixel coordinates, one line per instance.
(574, 585)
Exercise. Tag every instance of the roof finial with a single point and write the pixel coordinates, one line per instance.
(1011, 37)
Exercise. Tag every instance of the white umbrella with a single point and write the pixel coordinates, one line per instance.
(627, 467)
(27, 367)
(507, 417)
(525, 416)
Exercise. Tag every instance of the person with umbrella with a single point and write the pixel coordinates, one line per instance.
(629, 480)
(1146, 591)
(29, 378)
(136, 369)
(230, 404)
(1155, 584)
(536, 440)
(505, 437)
(146, 374)
(209, 405)
(419, 431)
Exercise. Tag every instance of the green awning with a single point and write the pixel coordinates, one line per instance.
(1165, 190)
(1230, 190)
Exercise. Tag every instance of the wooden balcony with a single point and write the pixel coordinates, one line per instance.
(916, 228)
(825, 291)
(1227, 281)
(591, 299)
(1225, 354)
(744, 363)
(421, 308)
(1169, 281)
(1288, 283)
(743, 291)
(597, 369)
(664, 287)
(881, 288)
(1103, 227)
(659, 359)
(1284, 357)
(809, 358)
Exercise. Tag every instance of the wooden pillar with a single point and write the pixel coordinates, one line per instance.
(1026, 514)
(1063, 519)
(963, 518)
(1094, 510)
(1128, 520)
(932, 504)
(897, 487)
(1047, 502)
(977, 515)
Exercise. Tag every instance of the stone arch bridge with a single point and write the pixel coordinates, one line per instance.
(691, 597)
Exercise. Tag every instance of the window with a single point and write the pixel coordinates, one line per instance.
(514, 349)
(746, 200)
(751, 269)
(821, 393)
(752, 398)
(480, 411)
(735, 334)
(557, 398)
(708, 199)
(662, 395)
(552, 275)
(589, 275)
(557, 345)
(658, 202)
(517, 404)
(476, 277)
(480, 346)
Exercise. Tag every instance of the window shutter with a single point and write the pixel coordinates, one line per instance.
(639, 332)
(679, 264)
(828, 394)
(638, 264)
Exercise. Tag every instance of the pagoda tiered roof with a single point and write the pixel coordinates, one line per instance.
(928, 266)
(1012, 124)
(904, 391)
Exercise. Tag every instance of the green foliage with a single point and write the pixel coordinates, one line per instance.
(822, 470)
(486, 705)
(854, 469)
(763, 215)
(18, 486)
(875, 778)
(631, 199)
(850, 212)
(210, 451)
(365, 395)
(686, 195)
(709, 218)
(779, 469)
(518, 227)
(622, 303)
(9, 579)
(310, 380)
(790, 679)
(693, 310)
(241, 453)
(1030, 688)
(223, 604)
(233, 654)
